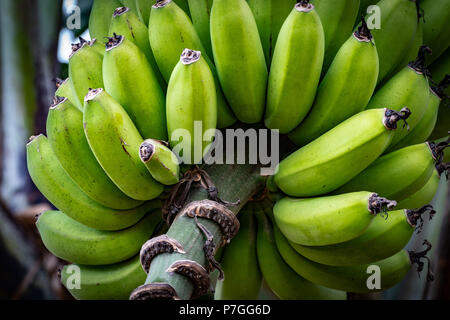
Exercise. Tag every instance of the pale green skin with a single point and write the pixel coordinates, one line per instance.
(200, 11)
(396, 175)
(239, 58)
(270, 16)
(239, 262)
(348, 278)
(74, 242)
(98, 46)
(134, 30)
(56, 185)
(344, 92)
(100, 17)
(281, 279)
(406, 89)
(170, 32)
(115, 141)
(130, 80)
(336, 157)
(85, 71)
(164, 165)
(436, 33)
(295, 71)
(398, 22)
(325, 220)
(383, 238)
(424, 195)
(66, 90)
(183, 4)
(131, 4)
(66, 137)
(338, 19)
(144, 8)
(191, 96)
(112, 282)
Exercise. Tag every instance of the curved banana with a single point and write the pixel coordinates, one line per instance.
(281, 279)
(239, 58)
(130, 80)
(54, 183)
(100, 17)
(200, 11)
(436, 33)
(382, 239)
(424, 195)
(112, 282)
(329, 220)
(77, 243)
(162, 163)
(66, 137)
(144, 8)
(243, 279)
(296, 67)
(346, 89)
(339, 155)
(338, 19)
(64, 88)
(191, 103)
(115, 143)
(171, 31)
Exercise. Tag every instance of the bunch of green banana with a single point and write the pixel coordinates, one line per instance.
(339, 155)
(57, 186)
(64, 89)
(239, 58)
(296, 67)
(130, 80)
(346, 89)
(191, 102)
(436, 33)
(243, 278)
(329, 220)
(100, 17)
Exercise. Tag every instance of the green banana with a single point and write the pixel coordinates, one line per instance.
(296, 67)
(339, 155)
(440, 68)
(115, 143)
(144, 7)
(74, 242)
(349, 278)
(239, 58)
(170, 32)
(338, 19)
(100, 17)
(281, 279)
(112, 282)
(66, 137)
(54, 183)
(131, 4)
(130, 80)
(64, 88)
(85, 69)
(243, 279)
(97, 46)
(364, 5)
(183, 4)
(346, 88)
(398, 174)
(200, 12)
(328, 220)
(191, 101)
(436, 33)
(125, 23)
(409, 88)
(424, 195)
(382, 239)
(413, 48)
(162, 163)
(270, 16)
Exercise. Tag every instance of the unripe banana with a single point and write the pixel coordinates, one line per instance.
(191, 101)
(339, 155)
(130, 80)
(112, 282)
(74, 242)
(382, 239)
(239, 58)
(346, 88)
(243, 279)
(329, 220)
(414, 47)
(424, 195)
(100, 17)
(171, 31)
(162, 163)
(98, 46)
(125, 23)
(131, 4)
(85, 69)
(64, 88)
(54, 183)
(144, 7)
(296, 65)
(66, 137)
(200, 13)
(436, 33)
(183, 4)
(364, 5)
(115, 143)
(281, 279)
(338, 19)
